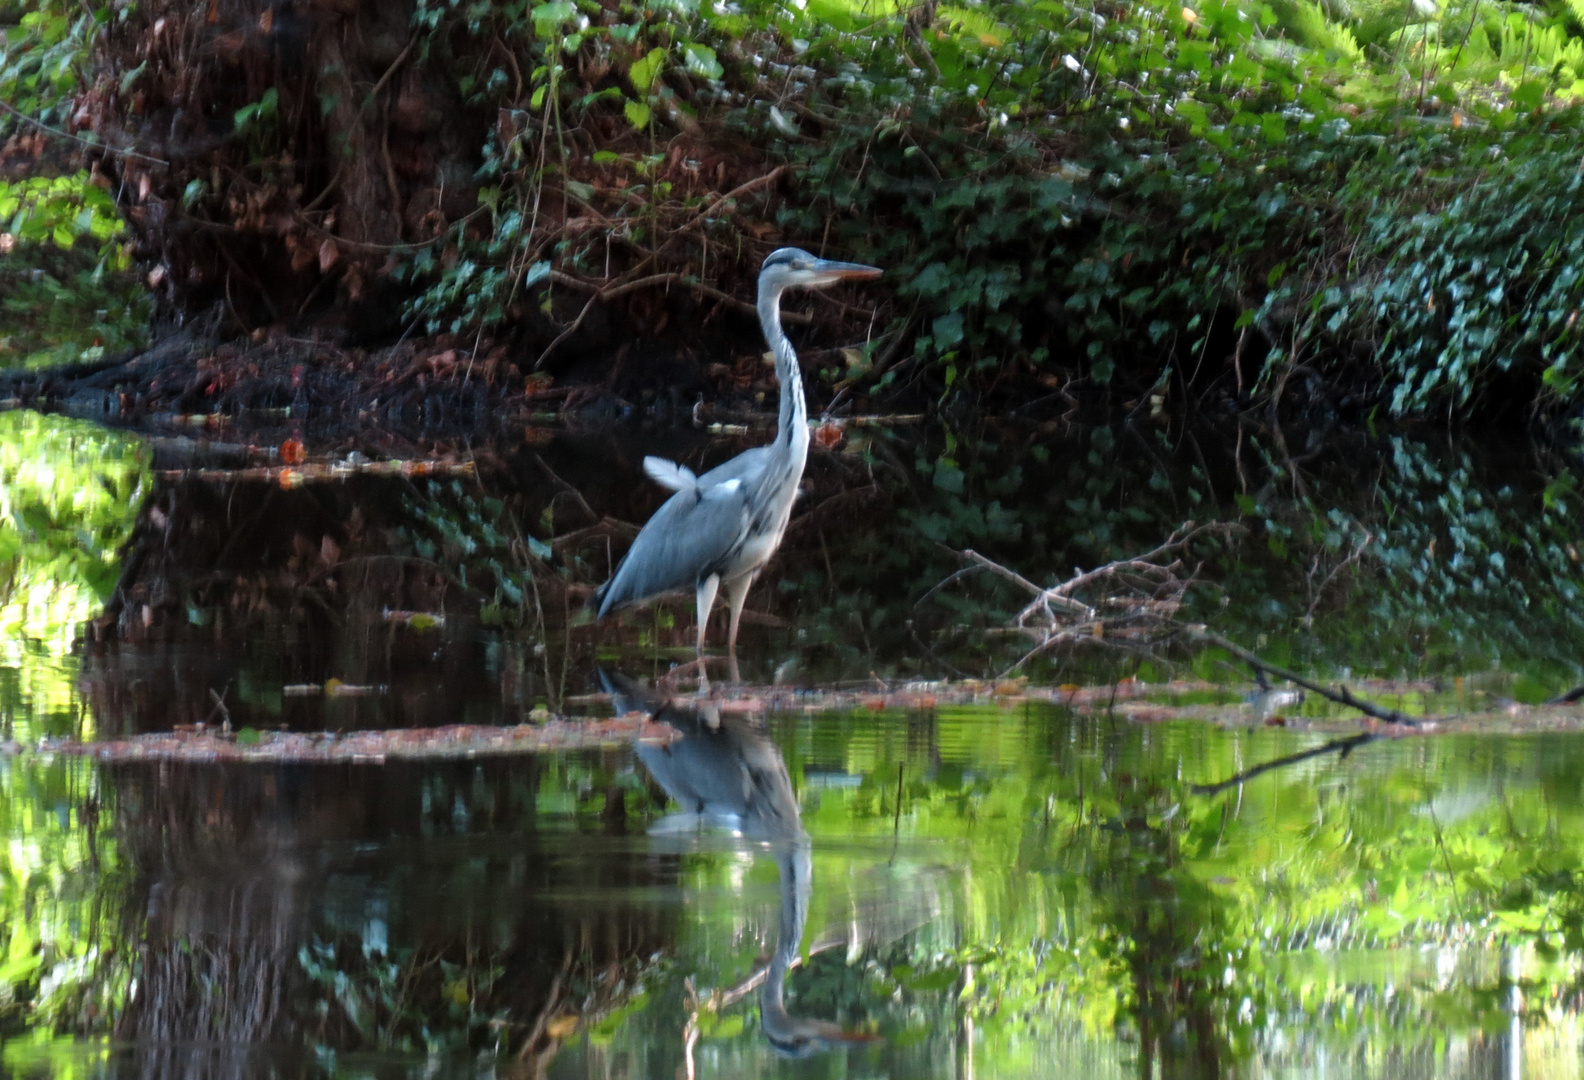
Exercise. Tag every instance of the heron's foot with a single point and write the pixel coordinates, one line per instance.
(673, 680)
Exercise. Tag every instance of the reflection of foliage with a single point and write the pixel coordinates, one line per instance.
(64, 301)
(1448, 561)
(398, 1003)
(1209, 922)
(68, 494)
(1464, 565)
(56, 969)
(1392, 900)
(479, 540)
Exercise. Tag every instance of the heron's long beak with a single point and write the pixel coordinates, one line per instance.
(830, 270)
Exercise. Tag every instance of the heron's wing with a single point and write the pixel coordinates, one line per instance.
(687, 539)
(670, 475)
(747, 466)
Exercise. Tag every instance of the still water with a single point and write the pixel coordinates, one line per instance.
(986, 891)
(1010, 888)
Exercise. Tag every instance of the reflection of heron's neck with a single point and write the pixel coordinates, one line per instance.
(792, 424)
(794, 860)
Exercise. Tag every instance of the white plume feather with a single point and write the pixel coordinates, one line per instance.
(670, 475)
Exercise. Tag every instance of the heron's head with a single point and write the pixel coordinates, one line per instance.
(794, 268)
(801, 1037)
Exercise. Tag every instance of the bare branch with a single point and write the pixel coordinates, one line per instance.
(1341, 694)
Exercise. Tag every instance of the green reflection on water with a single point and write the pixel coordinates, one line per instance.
(69, 492)
(1378, 913)
(1045, 892)
(62, 967)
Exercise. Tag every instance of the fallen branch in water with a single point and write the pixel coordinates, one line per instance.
(367, 747)
(293, 476)
(1341, 695)
(1129, 602)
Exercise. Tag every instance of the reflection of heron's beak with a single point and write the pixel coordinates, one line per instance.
(805, 1038)
(831, 271)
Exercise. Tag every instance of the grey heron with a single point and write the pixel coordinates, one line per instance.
(720, 529)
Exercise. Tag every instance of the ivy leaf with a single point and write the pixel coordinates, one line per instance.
(700, 61)
(549, 17)
(637, 114)
(644, 72)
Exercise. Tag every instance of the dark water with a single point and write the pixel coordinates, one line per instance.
(989, 890)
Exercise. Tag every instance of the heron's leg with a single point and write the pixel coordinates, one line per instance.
(706, 600)
(736, 595)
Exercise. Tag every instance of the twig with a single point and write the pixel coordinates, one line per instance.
(708, 212)
(220, 706)
(385, 78)
(552, 999)
(569, 489)
(78, 139)
(1075, 607)
(610, 292)
(600, 294)
(1184, 533)
(1353, 557)
(1341, 695)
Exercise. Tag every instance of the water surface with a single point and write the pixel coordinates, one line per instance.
(1005, 889)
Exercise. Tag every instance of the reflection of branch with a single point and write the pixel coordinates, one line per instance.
(553, 999)
(722, 999)
(1345, 746)
(1341, 695)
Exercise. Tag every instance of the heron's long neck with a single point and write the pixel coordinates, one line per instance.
(792, 424)
(795, 861)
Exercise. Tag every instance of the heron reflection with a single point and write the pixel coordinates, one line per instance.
(726, 773)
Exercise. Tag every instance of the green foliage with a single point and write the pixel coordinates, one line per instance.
(1101, 192)
(1473, 250)
(488, 274)
(60, 210)
(43, 46)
